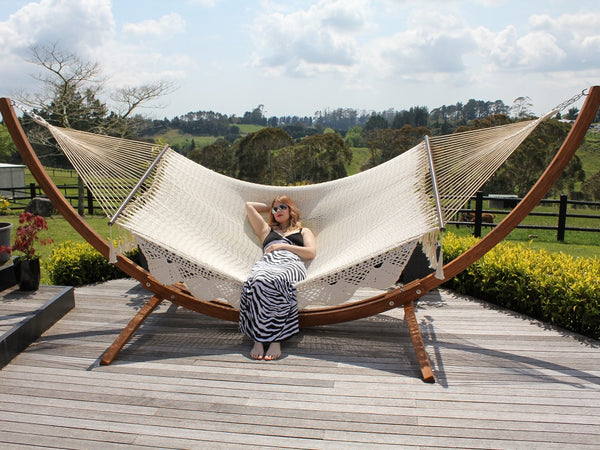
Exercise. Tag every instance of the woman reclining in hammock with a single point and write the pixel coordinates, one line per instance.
(268, 305)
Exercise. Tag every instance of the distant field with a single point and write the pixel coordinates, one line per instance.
(248, 128)
(359, 156)
(176, 137)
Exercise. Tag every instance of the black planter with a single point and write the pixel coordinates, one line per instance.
(5, 232)
(27, 273)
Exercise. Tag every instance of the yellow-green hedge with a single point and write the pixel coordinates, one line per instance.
(76, 264)
(552, 287)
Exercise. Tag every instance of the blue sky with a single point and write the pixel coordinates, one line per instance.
(298, 57)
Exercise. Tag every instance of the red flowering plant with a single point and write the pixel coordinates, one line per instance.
(27, 235)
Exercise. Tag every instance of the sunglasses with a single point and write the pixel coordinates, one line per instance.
(282, 207)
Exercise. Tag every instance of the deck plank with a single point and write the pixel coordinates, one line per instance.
(185, 381)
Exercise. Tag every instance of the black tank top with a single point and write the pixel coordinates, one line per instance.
(295, 238)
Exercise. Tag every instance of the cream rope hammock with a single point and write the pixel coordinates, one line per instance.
(191, 226)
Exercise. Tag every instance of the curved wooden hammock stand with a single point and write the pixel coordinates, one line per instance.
(402, 296)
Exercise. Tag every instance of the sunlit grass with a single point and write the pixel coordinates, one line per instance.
(59, 230)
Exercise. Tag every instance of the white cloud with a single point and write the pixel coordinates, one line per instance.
(564, 43)
(75, 24)
(87, 29)
(498, 49)
(433, 45)
(305, 42)
(540, 51)
(166, 25)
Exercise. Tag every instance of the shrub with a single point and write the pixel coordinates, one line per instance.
(4, 204)
(76, 264)
(552, 287)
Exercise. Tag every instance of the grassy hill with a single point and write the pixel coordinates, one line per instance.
(176, 138)
(589, 153)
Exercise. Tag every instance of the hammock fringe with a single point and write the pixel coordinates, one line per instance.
(432, 247)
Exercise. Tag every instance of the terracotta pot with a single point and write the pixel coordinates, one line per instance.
(27, 273)
(5, 233)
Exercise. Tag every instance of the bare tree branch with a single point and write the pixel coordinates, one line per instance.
(133, 97)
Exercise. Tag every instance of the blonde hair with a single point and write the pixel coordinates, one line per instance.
(294, 213)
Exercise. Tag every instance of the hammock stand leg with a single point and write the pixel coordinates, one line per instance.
(418, 344)
(111, 352)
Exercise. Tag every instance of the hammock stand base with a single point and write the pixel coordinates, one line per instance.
(409, 316)
(404, 296)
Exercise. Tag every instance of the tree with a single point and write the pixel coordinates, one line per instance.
(527, 163)
(254, 154)
(354, 137)
(69, 98)
(317, 158)
(70, 90)
(8, 150)
(490, 121)
(387, 144)
(521, 107)
(591, 187)
(130, 98)
(572, 113)
(67, 82)
(417, 116)
(376, 122)
(255, 117)
(218, 156)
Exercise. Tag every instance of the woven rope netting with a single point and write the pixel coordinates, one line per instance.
(190, 222)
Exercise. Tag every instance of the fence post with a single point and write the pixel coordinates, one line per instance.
(31, 191)
(478, 213)
(80, 197)
(90, 202)
(562, 218)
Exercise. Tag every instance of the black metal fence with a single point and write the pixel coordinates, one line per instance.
(19, 197)
(480, 217)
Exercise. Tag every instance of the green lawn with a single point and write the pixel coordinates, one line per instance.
(60, 230)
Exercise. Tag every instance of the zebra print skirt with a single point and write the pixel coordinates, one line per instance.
(268, 305)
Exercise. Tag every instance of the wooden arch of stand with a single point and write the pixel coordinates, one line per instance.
(404, 296)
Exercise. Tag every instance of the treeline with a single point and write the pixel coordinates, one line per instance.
(272, 156)
(442, 120)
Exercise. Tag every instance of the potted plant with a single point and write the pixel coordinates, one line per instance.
(27, 265)
(5, 230)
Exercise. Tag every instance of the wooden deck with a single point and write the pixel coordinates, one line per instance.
(184, 381)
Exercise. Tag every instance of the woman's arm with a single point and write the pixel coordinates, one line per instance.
(308, 251)
(257, 221)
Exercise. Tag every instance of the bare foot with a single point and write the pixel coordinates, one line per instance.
(258, 351)
(273, 352)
